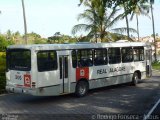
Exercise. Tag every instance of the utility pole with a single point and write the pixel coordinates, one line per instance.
(25, 24)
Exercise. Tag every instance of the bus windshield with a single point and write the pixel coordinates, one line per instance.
(19, 59)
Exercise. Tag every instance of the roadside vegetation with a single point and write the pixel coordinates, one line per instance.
(2, 71)
(3, 45)
(156, 65)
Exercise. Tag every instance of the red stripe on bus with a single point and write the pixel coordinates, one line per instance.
(82, 73)
(19, 85)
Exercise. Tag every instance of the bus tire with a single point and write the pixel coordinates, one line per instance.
(135, 79)
(81, 88)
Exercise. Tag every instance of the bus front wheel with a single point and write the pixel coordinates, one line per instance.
(81, 88)
(135, 79)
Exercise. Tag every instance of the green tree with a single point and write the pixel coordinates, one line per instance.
(61, 38)
(140, 9)
(114, 3)
(34, 35)
(34, 38)
(55, 38)
(40, 41)
(126, 9)
(9, 35)
(100, 21)
(4, 43)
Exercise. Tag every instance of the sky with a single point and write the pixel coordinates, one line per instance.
(46, 17)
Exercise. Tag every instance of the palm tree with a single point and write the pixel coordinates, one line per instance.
(99, 21)
(25, 23)
(125, 7)
(140, 9)
(90, 16)
(155, 45)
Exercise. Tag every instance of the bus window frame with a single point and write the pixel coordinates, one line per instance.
(51, 69)
(22, 69)
(139, 54)
(74, 66)
(127, 54)
(83, 59)
(104, 57)
(120, 60)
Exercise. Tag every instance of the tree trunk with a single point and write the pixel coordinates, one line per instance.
(155, 47)
(137, 27)
(127, 23)
(25, 24)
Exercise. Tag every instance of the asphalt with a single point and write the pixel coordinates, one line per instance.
(98, 104)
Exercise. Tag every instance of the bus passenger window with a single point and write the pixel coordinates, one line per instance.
(74, 59)
(85, 58)
(141, 54)
(138, 53)
(127, 54)
(46, 60)
(114, 55)
(100, 57)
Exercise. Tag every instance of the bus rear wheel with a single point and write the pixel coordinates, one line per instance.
(135, 79)
(81, 88)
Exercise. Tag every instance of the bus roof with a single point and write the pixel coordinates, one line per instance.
(78, 45)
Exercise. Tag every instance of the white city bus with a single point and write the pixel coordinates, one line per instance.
(56, 69)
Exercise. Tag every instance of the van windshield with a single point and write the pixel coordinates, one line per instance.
(19, 59)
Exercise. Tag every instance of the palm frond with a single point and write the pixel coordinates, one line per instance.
(123, 30)
(114, 11)
(86, 17)
(114, 21)
(141, 9)
(145, 14)
(80, 27)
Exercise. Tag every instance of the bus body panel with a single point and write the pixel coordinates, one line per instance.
(55, 82)
(47, 78)
(103, 82)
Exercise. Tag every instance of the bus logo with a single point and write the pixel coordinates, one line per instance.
(27, 80)
(82, 73)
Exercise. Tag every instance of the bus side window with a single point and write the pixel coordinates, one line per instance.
(138, 54)
(114, 55)
(85, 58)
(46, 61)
(141, 54)
(74, 59)
(127, 54)
(100, 57)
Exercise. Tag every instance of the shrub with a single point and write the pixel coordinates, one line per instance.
(2, 82)
(2, 71)
(156, 65)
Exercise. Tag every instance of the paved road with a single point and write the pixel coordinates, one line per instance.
(121, 99)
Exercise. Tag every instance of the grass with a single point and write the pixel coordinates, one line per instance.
(2, 71)
(156, 65)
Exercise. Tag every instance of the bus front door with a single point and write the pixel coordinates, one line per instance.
(148, 63)
(64, 81)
